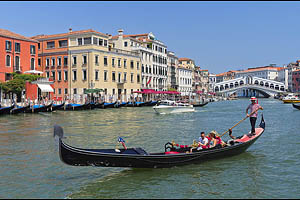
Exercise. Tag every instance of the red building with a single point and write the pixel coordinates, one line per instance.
(296, 80)
(17, 54)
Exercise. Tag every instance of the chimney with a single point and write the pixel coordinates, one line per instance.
(70, 30)
(120, 32)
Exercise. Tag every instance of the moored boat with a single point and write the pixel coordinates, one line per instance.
(57, 106)
(6, 110)
(151, 103)
(296, 106)
(168, 106)
(109, 105)
(38, 108)
(72, 107)
(19, 109)
(139, 158)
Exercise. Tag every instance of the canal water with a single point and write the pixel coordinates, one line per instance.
(30, 166)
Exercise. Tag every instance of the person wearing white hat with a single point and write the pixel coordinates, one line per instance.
(254, 106)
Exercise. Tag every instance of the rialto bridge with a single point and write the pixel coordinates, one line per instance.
(249, 86)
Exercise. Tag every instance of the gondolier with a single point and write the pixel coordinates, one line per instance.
(254, 106)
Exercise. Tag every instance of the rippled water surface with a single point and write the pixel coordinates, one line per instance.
(30, 166)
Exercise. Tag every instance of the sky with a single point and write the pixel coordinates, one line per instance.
(219, 36)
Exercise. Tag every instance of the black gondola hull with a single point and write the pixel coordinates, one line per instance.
(6, 110)
(38, 109)
(19, 110)
(138, 158)
(200, 105)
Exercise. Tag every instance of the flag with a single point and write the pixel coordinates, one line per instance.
(149, 81)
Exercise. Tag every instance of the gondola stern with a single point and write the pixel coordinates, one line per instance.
(58, 131)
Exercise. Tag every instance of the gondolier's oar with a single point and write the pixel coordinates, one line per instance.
(241, 121)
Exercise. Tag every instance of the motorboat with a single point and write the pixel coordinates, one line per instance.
(168, 106)
(291, 98)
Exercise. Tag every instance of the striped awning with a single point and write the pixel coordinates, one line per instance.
(45, 88)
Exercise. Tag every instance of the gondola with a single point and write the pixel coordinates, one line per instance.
(139, 158)
(140, 104)
(6, 110)
(296, 106)
(151, 103)
(38, 108)
(19, 109)
(57, 106)
(99, 105)
(130, 104)
(109, 105)
(123, 104)
(72, 107)
(200, 105)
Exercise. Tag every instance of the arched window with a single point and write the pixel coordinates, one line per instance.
(256, 82)
(241, 82)
(216, 89)
(231, 85)
(8, 61)
(277, 87)
(267, 84)
(32, 64)
(262, 83)
(272, 86)
(236, 84)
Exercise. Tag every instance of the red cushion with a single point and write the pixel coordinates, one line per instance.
(171, 152)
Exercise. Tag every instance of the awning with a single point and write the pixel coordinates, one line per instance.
(45, 88)
(96, 90)
(33, 72)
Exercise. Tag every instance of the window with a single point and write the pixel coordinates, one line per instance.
(84, 75)
(105, 75)
(63, 43)
(137, 65)
(59, 90)
(39, 45)
(39, 62)
(143, 68)
(131, 64)
(125, 77)
(47, 62)
(32, 64)
(96, 59)
(74, 75)
(66, 75)
(8, 45)
(17, 47)
(84, 59)
(119, 77)
(87, 40)
(125, 44)
(53, 75)
(79, 41)
(95, 40)
(65, 60)
(101, 42)
(113, 76)
(17, 63)
(53, 61)
(113, 91)
(105, 43)
(32, 49)
(138, 78)
(74, 60)
(113, 62)
(96, 75)
(66, 91)
(124, 63)
(48, 74)
(131, 77)
(75, 91)
(119, 62)
(105, 61)
(59, 75)
(58, 61)
(50, 45)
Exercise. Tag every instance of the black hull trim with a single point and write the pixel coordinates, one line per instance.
(296, 106)
(57, 107)
(6, 110)
(40, 109)
(200, 105)
(19, 110)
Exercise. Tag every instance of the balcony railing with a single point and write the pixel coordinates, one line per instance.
(124, 52)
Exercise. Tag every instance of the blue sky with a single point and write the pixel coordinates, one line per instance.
(219, 36)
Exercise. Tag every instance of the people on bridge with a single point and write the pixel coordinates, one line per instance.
(254, 106)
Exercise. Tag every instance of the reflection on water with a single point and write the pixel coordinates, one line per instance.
(30, 165)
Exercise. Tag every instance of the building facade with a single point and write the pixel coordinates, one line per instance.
(296, 80)
(172, 79)
(201, 80)
(17, 54)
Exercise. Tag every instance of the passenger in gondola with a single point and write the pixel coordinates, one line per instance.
(203, 143)
(216, 140)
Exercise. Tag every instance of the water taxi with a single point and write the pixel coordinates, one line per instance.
(291, 98)
(168, 106)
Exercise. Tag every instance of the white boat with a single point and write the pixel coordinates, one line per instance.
(168, 106)
(291, 98)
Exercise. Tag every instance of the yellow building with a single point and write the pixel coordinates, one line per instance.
(94, 63)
